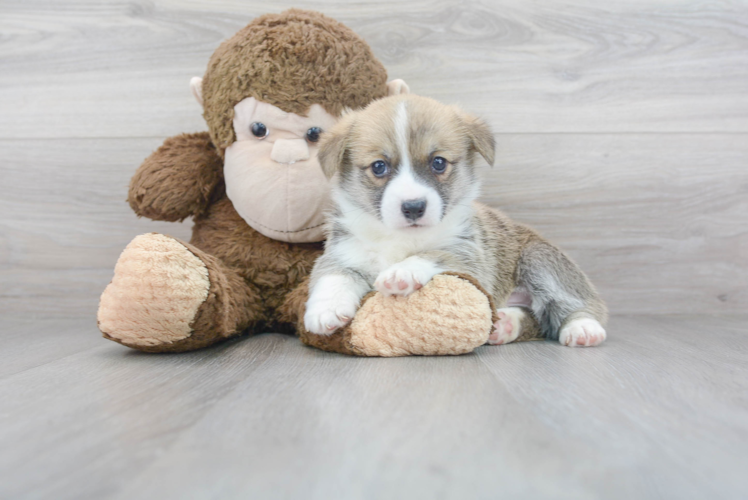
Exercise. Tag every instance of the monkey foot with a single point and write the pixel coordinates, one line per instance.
(154, 297)
(451, 314)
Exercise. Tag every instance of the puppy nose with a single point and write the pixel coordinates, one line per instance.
(414, 209)
(289, 150)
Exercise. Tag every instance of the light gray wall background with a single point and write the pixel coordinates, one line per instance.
(622, 130)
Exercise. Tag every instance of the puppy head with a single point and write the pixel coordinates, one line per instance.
(407, 160)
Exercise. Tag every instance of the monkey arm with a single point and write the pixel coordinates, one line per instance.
(177, 180)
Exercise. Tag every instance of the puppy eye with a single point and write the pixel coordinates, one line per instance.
(438, 165)
(312, 135)
(259, 130)
(379, 168)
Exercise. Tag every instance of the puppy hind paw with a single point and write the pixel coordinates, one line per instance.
(583, 332)
(508, 327)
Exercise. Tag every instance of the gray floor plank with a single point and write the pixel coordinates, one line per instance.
(368, 428)
(661, 410)
(669, 394)
(83, 426)
(30, 341)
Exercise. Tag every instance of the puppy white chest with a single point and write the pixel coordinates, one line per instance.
(372, 257)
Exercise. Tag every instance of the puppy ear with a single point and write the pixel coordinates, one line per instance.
(333, 145)
(482, 138)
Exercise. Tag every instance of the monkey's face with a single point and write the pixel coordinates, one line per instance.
(273, 177)
(280, 137)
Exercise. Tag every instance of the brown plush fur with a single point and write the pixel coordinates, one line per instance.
(290, 60)
(178, 179)
(250, 274)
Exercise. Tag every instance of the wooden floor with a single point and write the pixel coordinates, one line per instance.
(659, 411)
(622, 133)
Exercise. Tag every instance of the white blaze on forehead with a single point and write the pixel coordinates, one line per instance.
(404, 186)
(401, 134)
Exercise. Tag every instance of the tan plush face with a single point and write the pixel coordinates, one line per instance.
(273, 177)
(407, 160)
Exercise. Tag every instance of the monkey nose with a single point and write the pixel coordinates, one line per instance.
(289, 151)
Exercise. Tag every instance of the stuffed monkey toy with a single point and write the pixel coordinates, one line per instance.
(257, 196)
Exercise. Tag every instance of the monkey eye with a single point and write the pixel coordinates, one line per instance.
(379, 168)
(439, 165)
(259, 130)
(312, 135)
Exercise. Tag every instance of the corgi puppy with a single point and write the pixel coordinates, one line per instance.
(404, 196)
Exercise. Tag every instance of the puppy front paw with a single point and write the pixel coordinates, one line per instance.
(582, 332)
(405, 277)
(323, 317)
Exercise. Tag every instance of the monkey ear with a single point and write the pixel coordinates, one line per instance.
(482, 137)
(397, 87)
(333, 146)
(196, 86)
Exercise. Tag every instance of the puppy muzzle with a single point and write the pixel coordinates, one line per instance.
(413, 209)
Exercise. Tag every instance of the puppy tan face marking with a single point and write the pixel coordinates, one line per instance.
(407, 160)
